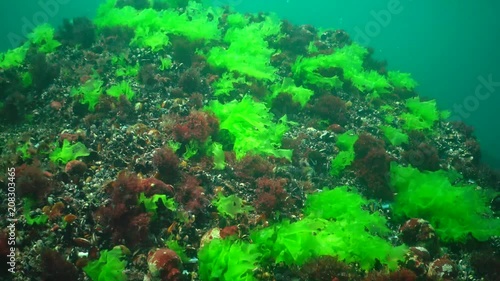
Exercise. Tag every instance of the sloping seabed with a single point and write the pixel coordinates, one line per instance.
(170, 141)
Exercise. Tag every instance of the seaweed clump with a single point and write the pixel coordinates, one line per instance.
(236, 125)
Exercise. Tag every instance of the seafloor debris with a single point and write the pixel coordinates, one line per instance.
(170, 141)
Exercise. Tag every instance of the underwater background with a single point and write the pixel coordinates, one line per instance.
(446, 45)
(164, 140)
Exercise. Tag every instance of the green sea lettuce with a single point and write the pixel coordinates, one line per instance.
(454, 210)
(251, 127)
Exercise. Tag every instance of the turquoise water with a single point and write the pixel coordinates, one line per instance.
(447, 46)
(189, 131)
